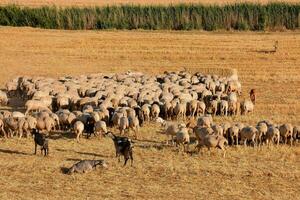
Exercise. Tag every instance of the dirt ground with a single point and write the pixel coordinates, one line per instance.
(159, 172)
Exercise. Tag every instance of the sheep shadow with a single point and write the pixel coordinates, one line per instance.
(61, 135)
(90, 154)
(64, 170)
(150, 141)
(73, 159)
(155, 146)
(13, 152)
(83, 153)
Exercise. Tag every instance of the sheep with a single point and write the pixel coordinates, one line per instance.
(16, 114)
(62, 102)
(115, 119)
(84, 166)
(123, 146)
(247, 107)
(170, 129)
(225, 126)
(296, 133)
(140, 115)
(160, 120)
(40, 140)
(36, 105)
(204, 121)
(146, 112)
(201, 108)
(124, 124)
(218, 130)
(56, 120)
(273, 134)
(248, 133)
(233, 86)
(134, 125)
(100, 127)
(206, 138)
(233, 107)
(3, 98)
(224, 107)
(11, 126)
(212, 107)
(23, 126)
(200, 132)
(286, 131)
(78, 129)
(155, 110)
(233, 135)
(183, 137)
(45, 123)
(168, 110)
(32, 122)
(2, 128)
(180, 110)
(192, 107)
(262, 130)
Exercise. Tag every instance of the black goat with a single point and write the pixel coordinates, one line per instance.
(123, 146)
(40, 140)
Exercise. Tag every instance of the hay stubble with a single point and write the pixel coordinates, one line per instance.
(159, 172)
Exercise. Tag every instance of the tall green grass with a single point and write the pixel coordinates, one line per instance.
(244, 16)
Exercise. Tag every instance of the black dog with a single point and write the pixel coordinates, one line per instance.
(40, 140)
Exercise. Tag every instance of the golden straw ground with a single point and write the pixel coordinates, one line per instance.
(159, 172)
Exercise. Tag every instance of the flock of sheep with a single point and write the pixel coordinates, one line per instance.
(92, 104)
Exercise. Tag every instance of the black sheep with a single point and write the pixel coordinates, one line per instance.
(40, 140)
(123, 146)
(139, 114)
(89, 127)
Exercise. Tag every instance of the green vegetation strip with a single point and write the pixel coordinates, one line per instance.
(244, 16)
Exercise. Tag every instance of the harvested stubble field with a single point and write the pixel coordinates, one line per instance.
(159, 172)
(63, 3)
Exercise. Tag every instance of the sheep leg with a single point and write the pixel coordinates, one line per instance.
(131, 157)
(20, 134)
(135, 132)
(291, 140)
(35, 148)
(4, 133)
(187, 148)
(77, 137)
(253, 142)
(126, 159)
(46, 151)
(223, 149)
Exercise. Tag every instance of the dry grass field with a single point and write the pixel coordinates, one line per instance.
(63, 3)
(159, 172)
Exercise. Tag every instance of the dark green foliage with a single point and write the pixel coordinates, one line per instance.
(244, 16)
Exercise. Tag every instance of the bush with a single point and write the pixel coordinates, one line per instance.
(244, 16)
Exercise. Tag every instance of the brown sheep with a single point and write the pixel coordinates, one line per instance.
(272, 135)
(248, 133)
(286, 131)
